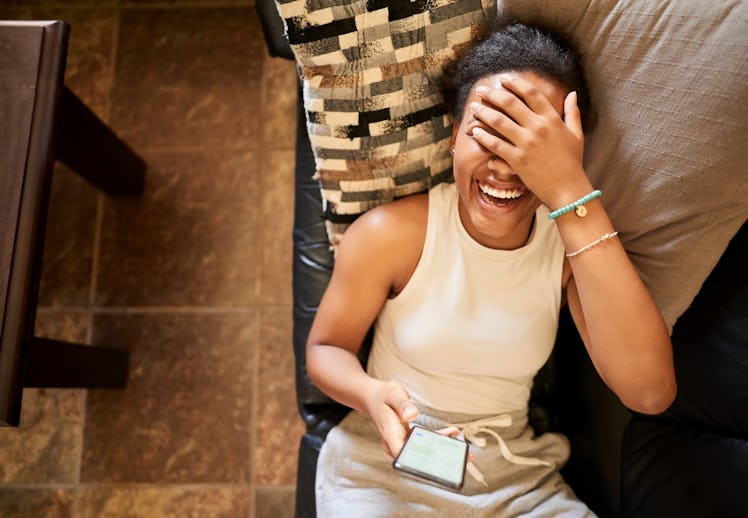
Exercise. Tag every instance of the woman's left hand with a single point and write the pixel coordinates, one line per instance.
(545, 150)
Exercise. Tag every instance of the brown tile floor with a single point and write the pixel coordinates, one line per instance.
(193, 278)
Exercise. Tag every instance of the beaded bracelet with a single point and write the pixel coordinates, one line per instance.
(577, 206)
(596, 242)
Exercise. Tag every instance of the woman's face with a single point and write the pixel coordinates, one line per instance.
(495, 207)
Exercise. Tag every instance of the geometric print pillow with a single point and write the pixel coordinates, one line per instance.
(371, 72)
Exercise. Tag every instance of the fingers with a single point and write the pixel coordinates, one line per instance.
(392, 446)
(449, 431)
(398, 399)
(393, 437)
(514, 113)
(392, 429)
(496, 145)
(529, 96)
(393, 420)
(520, 100)
(492, 117)
(572, 115)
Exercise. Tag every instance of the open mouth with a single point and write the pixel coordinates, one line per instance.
(500, 196)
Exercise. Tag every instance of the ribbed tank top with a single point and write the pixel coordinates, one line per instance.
(473, 324)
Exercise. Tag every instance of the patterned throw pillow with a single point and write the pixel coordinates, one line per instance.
(371, 73)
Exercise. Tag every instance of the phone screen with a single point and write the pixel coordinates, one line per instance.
(434, 457)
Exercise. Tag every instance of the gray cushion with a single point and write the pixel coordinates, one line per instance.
(669, 82)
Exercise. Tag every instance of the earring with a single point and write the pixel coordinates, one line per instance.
(452, 150)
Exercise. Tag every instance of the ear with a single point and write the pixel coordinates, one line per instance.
(455, 129)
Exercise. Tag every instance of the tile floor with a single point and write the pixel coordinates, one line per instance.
(193, 278)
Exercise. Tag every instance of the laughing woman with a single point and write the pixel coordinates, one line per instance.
(464, 285)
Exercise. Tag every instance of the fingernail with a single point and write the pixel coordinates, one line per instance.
(410, 412)
(482, 90)
(474, 106)
(477, 132)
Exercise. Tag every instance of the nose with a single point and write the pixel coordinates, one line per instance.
(500, 170)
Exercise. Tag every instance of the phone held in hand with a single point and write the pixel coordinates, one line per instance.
(433, 457)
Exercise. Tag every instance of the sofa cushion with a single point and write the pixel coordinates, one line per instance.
(671, 471)
(710, 347)
(371, 73)
(694, 458)
(669, 83)
(273, 29)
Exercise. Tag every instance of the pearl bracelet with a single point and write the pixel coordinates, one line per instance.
(577, 206)
(596, 242)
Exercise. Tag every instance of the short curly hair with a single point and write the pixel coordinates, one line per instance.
(518, 47)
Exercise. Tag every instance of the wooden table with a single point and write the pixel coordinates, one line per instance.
(41, 120)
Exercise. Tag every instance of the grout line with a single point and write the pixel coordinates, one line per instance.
(105, 310)
(195, 5)
(279, 487)
(254, 415)
(259, 147)
(113, 59)
(81, 442)
(93, 285)
(144, 485)
(261, 226)
(155, 5)
(254, 412)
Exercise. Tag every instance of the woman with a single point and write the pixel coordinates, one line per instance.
(464, 286)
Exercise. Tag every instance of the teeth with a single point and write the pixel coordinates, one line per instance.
(504, 194)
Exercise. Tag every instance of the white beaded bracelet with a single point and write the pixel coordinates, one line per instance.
(596, 242)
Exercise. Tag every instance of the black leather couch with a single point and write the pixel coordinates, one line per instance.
(692, 461)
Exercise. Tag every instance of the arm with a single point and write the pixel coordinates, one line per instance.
(621, 326)
(622, 329)
(375, 258)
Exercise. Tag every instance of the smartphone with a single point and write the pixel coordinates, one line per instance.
(433, 457)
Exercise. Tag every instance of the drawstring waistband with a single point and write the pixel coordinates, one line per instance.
(471, 431)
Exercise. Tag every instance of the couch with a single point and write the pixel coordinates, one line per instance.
(690, 461)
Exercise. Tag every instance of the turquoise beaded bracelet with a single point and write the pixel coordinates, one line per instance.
(577, 205)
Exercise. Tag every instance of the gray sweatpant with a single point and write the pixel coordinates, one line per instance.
(355, 477)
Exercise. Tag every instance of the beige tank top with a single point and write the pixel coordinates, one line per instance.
(473, 325)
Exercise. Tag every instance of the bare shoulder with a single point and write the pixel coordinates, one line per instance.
(390, 222)
(407, 214)
(388, 239)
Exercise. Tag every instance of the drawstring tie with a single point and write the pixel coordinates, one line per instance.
(471, 432)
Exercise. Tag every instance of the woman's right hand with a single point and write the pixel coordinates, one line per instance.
(389, 406)
(385, 242)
